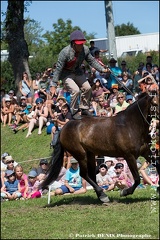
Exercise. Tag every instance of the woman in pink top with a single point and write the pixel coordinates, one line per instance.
(22, 178)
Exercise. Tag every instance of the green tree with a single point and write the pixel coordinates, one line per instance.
(126, 29)
(33, 36)
(17, 46)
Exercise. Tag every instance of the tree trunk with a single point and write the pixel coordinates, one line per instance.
(18, 49)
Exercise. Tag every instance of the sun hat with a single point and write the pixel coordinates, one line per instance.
(78, 37)
(108, 159)
(129, 97)
(32, 173)
(11, 91)
(23, 97)
(8, 158)
(7, 99)
(112, 60)
(9, 173)
(73, 160)
(114, 86)
(62, 97)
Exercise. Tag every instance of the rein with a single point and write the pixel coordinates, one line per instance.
(129, 91)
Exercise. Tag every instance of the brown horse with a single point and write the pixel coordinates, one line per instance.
(124, 135)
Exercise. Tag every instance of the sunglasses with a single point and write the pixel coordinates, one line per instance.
(10, 162)
(39, 103)
(44, 164)
(101, 101)
(31, 177)
(120, 97)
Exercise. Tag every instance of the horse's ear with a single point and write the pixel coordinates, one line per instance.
(141, 95)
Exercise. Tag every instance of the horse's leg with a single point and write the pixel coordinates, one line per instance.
(88, 172)
(131, 161)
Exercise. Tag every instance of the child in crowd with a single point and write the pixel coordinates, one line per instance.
(122, 180)
(73, 181)
(103, 179)
(109, 161)
(33, 185)
(11, 188)
(23, 181)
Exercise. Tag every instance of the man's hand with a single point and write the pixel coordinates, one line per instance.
(106, 70)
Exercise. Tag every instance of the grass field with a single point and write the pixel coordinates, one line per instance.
(73, 217)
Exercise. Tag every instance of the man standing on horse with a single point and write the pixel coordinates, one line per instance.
(68, 69)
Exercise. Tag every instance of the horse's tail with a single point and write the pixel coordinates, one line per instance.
(55, 164)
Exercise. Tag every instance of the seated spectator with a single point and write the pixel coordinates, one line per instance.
(44, 85)
(137, 76)
(122, 104)
(39, 117)
(122, 181)
(33, 186)
(27, 119)
(112, 99)
(152, 86)
(11, 188)
(59, 181)
(23, 181)
(126, 82)
(35, 86)
(60, 121)
(7, 112)
(60, 102)
(4, 95)
(149, 177)
(155, 73)
(3, 163)
(126, 168)
(125, 69)
(98, 90)
(42, 169)
(52, 94)
(10, 164)
(101, 104)
(65, 93)
(109, 161)
(108, 112)
(130, 99)
(25, 86)
(103, 179)
(73, 181)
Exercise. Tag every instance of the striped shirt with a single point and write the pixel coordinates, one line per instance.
(69, 63)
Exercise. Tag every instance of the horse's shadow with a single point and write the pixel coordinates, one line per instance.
(89, 200)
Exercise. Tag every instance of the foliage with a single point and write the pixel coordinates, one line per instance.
(33, 36)
(7, 78)
(126, 29)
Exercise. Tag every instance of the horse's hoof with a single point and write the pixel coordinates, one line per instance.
(123, 192)
(104, 199)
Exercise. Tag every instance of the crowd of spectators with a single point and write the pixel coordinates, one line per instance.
(44, 104)
(112, 174)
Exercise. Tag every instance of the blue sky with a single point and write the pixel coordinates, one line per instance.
(90, 15)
